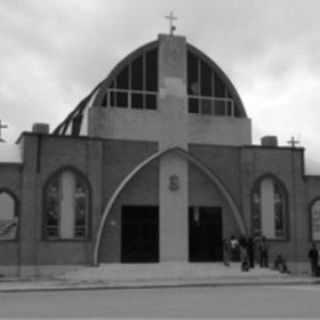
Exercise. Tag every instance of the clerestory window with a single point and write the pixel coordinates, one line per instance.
(136, 85)
(207, 94)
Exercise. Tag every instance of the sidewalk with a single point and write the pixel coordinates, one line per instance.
(121, 276)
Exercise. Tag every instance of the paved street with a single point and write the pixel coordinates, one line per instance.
(280, 301)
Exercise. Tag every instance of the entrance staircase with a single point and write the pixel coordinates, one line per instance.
(170, 273)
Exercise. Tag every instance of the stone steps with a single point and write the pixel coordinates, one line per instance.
(167, 271)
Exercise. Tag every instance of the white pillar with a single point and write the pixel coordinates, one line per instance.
(67, 214)
(267, 208)
(173, 105)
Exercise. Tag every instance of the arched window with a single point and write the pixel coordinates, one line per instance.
(269, 209)
(315, 220)
(136, 85)
(8, 216)
(66, 202)
(207, 93)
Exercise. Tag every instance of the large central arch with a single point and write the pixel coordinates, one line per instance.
(190, 158)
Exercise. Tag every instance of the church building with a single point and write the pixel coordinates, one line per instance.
(156, 164)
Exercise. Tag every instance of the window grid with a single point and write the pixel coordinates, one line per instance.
(203, 90)
(136, 95)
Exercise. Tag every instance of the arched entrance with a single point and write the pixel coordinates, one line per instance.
(191, 159)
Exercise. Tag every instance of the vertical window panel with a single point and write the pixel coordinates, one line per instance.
(123, 79)
(206, 106)
(315, 221)
(192, 74)
(151, 101)
(218, 87)
(137, 74)
(206, 80)
(122, 99)
(193, 105)
(136, 101)
(219, 108)
(152, 70)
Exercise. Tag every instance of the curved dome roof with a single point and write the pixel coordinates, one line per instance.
(97, 98)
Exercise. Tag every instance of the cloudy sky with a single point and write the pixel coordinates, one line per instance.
(53, 52)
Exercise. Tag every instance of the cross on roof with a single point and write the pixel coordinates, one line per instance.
(171, 18)
(293, 142)
(2, 126)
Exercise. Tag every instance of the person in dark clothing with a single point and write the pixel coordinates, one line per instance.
(313, 256)
(280, 264)
(226, 252)
(244, 259)
(264, 253)
(250, 247)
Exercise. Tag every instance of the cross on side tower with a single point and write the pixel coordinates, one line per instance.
(2, 126)
(293, 142)
(171, 18)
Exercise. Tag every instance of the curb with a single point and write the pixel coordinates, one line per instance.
(152, 285)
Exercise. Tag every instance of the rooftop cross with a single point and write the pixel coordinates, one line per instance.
(2, 126)
(171, 18)
(293, 142)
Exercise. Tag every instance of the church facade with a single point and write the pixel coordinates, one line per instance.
(156, 164)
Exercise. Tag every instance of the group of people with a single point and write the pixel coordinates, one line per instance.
(248, 251)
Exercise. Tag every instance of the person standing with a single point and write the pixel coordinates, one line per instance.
(264, 253)
(251, 252)
(313, 256)
(243, 243)
(226, 252)
(234, 248)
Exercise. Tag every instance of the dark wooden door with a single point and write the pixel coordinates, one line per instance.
(205, 234)
(140, 234)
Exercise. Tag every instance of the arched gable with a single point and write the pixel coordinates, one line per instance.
(101, 95)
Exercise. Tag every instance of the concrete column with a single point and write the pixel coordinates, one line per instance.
(67, 214)
(173, 178)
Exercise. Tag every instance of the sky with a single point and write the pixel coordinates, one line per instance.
(53, 52)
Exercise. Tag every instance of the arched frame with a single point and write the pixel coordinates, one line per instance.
(314, 200)
(255, 186)
(57, 173)
(16, 211)
(184, 154)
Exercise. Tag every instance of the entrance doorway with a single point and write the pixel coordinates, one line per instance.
(140, 234)
(205, 234)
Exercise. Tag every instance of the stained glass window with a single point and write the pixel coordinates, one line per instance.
(269, 206)
(66, 207)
